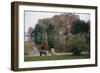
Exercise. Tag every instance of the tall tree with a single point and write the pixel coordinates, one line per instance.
(37, 34)
(50, 32)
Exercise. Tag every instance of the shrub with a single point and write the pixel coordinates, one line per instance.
(75, 44)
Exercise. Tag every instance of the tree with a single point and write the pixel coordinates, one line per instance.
(80, 26)
(37, 34)
(50, 32)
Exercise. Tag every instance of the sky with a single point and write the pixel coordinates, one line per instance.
(31, 18)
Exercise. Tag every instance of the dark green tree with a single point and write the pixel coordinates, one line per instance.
(36, 35)
(79, 26)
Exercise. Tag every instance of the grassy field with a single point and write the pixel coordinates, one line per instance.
(60, 57)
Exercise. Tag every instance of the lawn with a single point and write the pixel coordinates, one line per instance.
(56, 57)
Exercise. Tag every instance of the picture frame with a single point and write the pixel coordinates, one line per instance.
(24, 14)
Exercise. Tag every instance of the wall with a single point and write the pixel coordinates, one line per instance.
(5, 40)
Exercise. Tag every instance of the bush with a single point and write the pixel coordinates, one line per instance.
(75, 44)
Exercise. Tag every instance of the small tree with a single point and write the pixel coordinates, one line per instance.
(75, 44)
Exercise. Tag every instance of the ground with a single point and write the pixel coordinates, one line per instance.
(54, 57)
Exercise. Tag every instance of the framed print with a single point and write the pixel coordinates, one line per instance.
(52, 36)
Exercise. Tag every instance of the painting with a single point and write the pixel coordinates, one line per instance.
(57, 35)
(51, 36)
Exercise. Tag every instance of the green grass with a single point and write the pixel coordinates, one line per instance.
(60, 57)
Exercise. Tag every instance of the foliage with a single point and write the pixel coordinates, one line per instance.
(37, 34)
(50, 32)
(80, 26)
(75, 43)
